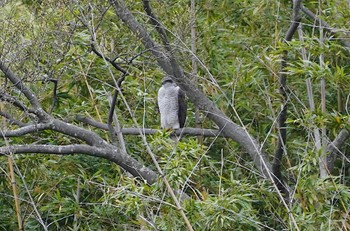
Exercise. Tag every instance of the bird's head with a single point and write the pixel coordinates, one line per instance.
(167, 80)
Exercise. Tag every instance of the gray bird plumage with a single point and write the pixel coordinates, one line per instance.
(172, 105)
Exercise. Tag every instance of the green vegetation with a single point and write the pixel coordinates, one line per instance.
(240, 45)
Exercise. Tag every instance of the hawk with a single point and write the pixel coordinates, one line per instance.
(172, 105)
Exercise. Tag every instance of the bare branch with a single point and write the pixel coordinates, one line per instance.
(118, 83)
(96, 145)
(112, 154)
(149, 131)
(117, 130)
(89, 137)
(25, 130)
(112, 106)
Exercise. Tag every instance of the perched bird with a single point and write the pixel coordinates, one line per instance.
(172, 105)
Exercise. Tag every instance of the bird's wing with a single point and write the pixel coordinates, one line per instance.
(182, 112)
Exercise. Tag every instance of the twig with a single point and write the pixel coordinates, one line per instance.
(112, 62)
(117, 90)
(325, 25)
(113, 102)
(117, 129)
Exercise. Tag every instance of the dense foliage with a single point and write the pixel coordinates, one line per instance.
(239, 49)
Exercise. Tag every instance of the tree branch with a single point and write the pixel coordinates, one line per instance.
(96, 145)
(89, 137)
(117, 130)
(113, 103)
(27, 129)
(99, 147)
(150, 131)
(111, 154)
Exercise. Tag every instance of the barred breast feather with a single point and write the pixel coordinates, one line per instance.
(168, 106)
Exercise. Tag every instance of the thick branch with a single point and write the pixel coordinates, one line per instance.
(98, 148)
(171, 67)
(125, 161)
(25, 130)
(89, 137)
